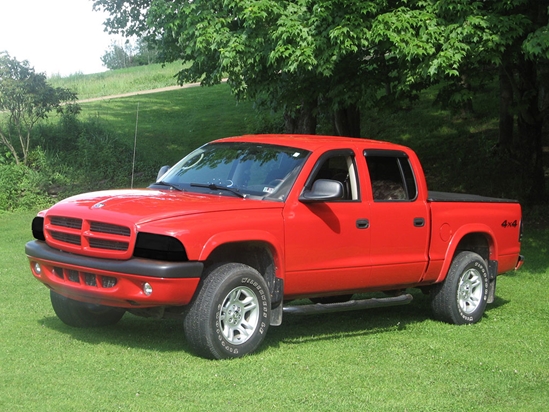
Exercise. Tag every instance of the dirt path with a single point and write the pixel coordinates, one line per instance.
(117, 96)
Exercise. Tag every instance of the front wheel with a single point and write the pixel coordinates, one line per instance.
(84, 315)
(230, 316)
(462, 297)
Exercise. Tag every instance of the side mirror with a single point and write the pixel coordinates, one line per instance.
(323, 190)
(162, 172)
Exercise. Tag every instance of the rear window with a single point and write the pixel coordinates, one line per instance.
(391, 176)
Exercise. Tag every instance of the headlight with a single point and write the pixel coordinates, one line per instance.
(159, 247)
(38, 228)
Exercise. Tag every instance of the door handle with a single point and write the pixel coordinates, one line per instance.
(362, 224)
(419, 222)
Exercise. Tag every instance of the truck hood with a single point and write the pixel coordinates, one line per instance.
(140, 206)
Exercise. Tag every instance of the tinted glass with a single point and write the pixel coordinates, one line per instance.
(267, 171)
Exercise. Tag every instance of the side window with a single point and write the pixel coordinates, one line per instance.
(391, 176)
(338, 166)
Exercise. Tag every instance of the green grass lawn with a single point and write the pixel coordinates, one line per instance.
(393, 359)
(120, 81)
(171, 124)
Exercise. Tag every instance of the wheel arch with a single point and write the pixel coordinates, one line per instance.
(256, 252)
(480, 243)
(477, 238)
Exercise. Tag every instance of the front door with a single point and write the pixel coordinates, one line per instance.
(327, 242)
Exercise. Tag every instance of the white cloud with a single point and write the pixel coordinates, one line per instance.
(55, 36)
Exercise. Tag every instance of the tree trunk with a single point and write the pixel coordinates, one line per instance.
(505, 116)
(347, 121)
(302, 121)
(531, 148)
(530, 126)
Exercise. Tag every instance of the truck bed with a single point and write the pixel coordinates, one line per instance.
(461, 197)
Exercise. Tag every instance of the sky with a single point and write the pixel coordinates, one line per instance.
(58, 37)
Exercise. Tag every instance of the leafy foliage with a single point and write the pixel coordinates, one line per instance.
(68, 157)
(27, 98)
(129, 55)
(304, 57)
(20, 188)
(88, 152)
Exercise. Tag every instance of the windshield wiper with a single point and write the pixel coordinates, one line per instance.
(213, 186)
(162, 183)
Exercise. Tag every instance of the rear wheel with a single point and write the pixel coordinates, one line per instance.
(84, 315)
(462, 297)
(230, 316)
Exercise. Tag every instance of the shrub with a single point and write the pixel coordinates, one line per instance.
(101, 159)
(20, 188)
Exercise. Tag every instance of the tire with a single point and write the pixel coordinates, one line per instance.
(461, 299)
(84, 315)
(230, 315)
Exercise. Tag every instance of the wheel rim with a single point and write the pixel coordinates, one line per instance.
(239, 315)
(470, 291)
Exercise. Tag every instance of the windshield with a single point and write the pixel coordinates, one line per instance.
(236, 168)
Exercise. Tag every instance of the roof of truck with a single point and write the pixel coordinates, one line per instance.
(313, 142)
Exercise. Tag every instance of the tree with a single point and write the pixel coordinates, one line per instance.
(129, 55)
(27, 98)
(287, 53)
(340, 55)
(118, 57)
(446, 41)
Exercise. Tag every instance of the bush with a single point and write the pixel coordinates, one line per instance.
(69, 157)
(101, 160)
(85, 155)
(20, 188)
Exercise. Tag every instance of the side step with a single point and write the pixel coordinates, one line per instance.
(314, 309)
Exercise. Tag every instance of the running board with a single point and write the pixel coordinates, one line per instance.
(348, 306)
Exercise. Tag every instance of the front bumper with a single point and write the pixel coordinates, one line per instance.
(113, 282)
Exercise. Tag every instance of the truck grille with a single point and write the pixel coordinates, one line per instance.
(108, 228)
(68, 233)
(66, 222)
(108, 244)
(66, 237)
(85, 278)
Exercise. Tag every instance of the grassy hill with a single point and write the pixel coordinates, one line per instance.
(459, 152)
(172, 123)
(121, 81)
(169, 124)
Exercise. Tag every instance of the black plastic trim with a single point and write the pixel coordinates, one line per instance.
(134, 266)
(419, 222)
(385, 153)
(458, 197)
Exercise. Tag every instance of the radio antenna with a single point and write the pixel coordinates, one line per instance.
(135, 142)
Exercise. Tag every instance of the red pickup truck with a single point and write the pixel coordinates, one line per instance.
(242, 226)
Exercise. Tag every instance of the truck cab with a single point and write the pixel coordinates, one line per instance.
(242, 226)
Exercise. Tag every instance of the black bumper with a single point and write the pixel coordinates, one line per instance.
(134, 266)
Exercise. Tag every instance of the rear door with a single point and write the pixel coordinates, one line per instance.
(399, 221)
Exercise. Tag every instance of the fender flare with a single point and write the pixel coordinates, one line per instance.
(244, 236)
(456, 239)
